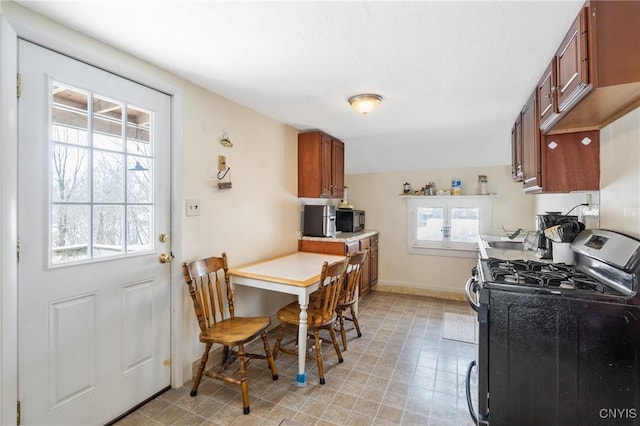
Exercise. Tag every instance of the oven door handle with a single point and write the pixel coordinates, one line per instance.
(472, 411)
(477, 418)
(469, 288)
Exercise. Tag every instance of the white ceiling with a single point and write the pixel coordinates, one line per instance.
(443, 68)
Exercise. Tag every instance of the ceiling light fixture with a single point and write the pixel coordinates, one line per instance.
(365, 103)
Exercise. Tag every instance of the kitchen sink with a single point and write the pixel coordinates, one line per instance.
(505, 245)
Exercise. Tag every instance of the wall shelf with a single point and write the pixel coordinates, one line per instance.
(448, 196)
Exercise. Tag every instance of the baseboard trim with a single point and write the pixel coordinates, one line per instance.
(435, 293)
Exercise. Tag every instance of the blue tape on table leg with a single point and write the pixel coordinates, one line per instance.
(301, 379)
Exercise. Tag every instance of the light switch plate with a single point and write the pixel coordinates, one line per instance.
(192, 207)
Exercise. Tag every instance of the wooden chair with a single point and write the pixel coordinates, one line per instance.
(349, 294)
(321, 313)
(214, 309)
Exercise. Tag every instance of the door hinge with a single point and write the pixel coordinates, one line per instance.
(18, 413)
(18, 251)
(19, 84)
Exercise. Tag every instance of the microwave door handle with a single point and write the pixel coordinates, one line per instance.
(328, 224)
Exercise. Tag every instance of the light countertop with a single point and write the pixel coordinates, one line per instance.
(344, 237)
(516, 252)
(298, 269)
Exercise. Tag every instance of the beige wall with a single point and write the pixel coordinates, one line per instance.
(255, 219)
(378, 195)
(620, 175)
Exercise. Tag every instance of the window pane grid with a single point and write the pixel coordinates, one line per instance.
(101, 177)
(447, 223)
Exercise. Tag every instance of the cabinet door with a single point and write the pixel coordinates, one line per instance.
(572, 65)
(326, 170)
(337, 168)
(531, 163)
(547, 101)
(373, 254)
(516, 150)
(365, 282)
(320, 166)
(571, 162)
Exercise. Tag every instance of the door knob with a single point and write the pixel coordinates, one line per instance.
(166, 258)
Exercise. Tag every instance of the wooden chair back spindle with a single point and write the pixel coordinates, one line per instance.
(204, 278)
(349, 295)
(331, 279)
(353, 277)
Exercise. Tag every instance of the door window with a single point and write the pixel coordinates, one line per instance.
(101, 177)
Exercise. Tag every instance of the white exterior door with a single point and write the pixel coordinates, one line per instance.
(94, 206)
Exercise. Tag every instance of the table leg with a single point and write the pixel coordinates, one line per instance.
(301, 379)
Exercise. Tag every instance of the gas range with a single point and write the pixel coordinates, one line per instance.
(542, 274)
(598, 273)
(568, 331)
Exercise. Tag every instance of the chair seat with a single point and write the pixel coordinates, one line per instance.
(291, 314)
(234, 331)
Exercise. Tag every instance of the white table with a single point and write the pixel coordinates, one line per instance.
(298, 274)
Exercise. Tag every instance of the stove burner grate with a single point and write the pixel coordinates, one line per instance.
(529, 272)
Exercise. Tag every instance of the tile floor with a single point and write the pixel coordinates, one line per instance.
(401, 371)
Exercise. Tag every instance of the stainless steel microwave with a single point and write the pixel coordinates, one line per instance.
(348, 220)
(319, 221)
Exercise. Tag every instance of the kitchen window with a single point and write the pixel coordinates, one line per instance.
(447, 225)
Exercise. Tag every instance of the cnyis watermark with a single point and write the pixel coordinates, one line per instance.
(618, 413)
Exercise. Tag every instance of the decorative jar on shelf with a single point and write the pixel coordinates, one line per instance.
(483, 185)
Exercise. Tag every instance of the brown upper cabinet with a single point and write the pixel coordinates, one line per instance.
(594, 77)
(565, 81)
(571, 162)
(516, 150)
(554, 163)
(547, 100)
(592, 80)
(531, 162)
(320, 166)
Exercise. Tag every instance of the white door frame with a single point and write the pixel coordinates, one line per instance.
(78, 46)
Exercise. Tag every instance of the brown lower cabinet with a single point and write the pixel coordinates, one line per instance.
(340, 248)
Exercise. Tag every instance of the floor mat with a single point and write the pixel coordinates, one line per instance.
(459, 327)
